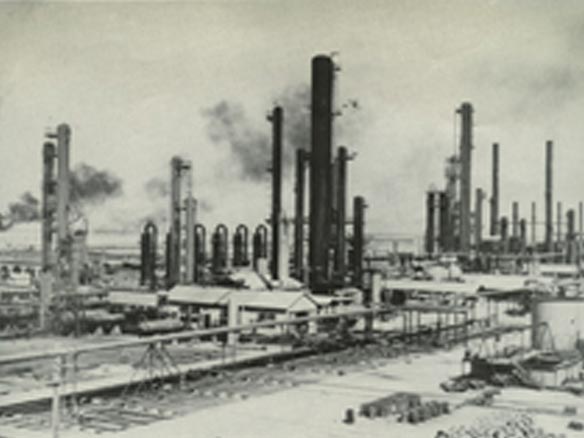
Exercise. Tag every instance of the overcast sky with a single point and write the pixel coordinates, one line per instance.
(134, 80)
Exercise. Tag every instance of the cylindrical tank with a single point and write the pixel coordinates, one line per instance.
(557, 323)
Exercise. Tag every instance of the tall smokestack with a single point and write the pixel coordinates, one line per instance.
(63, 182)
(445, 238)
(515, 219)
(301, 157)
(259, 245)
(320, 171)
(549, 229)
(190, 219)
(173, 242)
(187, 239)
(504, 228)
(533, 225)
(560, 238)
(522, 236)
(276, 119)
(358, 240)
(580, 230)
(149, 242)
(430, 222)
(200, 236)
(495, 189)
(49, 155)
(341, 201)
(240, 242)
(479, 195)
(64, 255)
(570, 236)
(465, 112)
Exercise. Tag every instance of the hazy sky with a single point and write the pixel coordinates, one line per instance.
(134, 80)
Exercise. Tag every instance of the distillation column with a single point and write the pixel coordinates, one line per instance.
(320, 171)
(495, 196)
(465, 112)
(549, 228)
(276, 120)
(301, 158)
(478, 224)
(358, 240)
(341, 201)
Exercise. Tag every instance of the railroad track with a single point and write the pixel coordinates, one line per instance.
(141, 403)
(112, 410)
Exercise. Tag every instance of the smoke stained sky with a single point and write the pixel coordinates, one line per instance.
(133, 81)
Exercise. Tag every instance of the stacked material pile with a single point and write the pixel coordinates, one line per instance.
(398, 403)
(500, 425)
(407, 407)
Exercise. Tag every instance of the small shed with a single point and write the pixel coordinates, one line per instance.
(252, 305)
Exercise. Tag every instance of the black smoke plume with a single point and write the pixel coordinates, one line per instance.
(204, 206)
(157, 188)
(26, 209)
(295, 101)
(249, 147)
(90, 186)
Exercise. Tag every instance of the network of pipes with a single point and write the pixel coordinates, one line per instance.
(313, 323)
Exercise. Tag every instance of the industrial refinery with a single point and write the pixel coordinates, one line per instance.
(324, 266)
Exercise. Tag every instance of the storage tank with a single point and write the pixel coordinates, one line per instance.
(557, 323)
